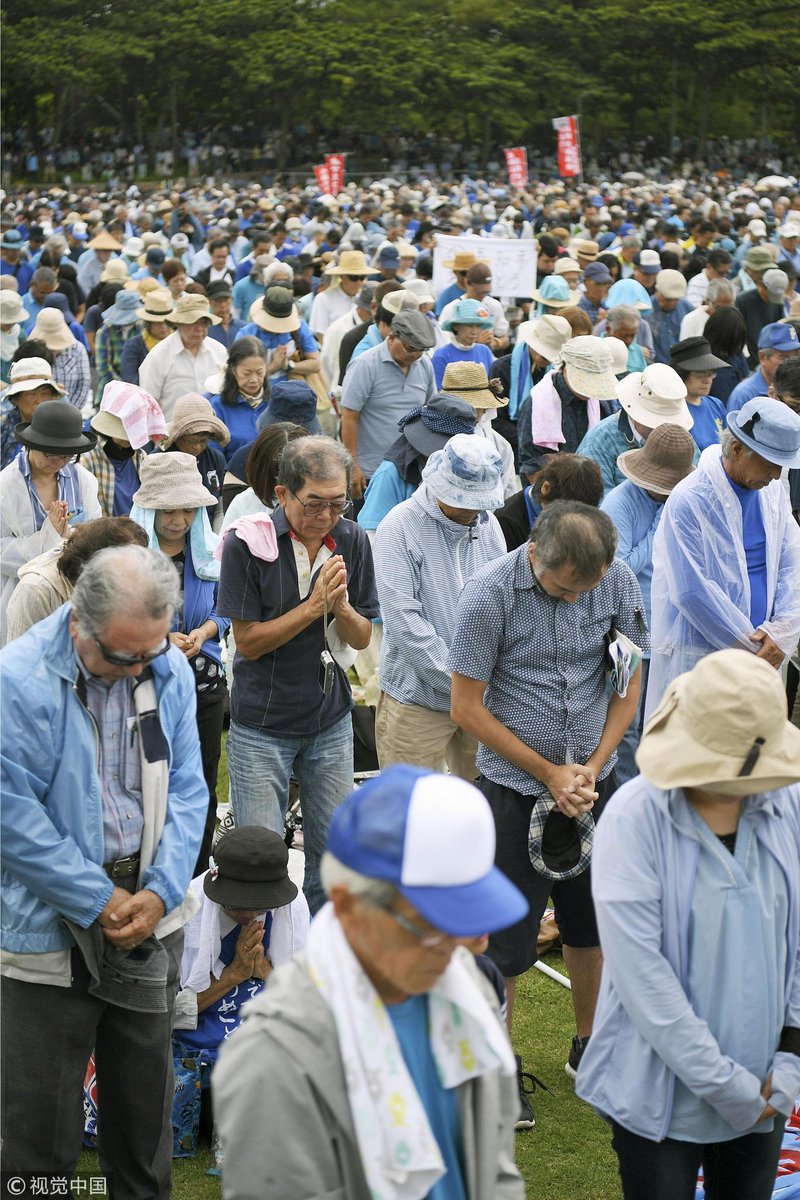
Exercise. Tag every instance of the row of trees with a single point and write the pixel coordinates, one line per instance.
(487, 74)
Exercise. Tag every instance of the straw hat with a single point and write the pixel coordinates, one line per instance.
(158, 306)
(52, 329)
(664, 460)
(194, 414)
(461, 261)
(741, 743)
(547, 336)
(56, 427)
(191, 308)
(655, 396)
(276, 311)
(590, 368)
(11, 308)
(170, 481)
(104, 241)
(470, 381)
(28, 374)
(351, 262)
(115, 271)
(584, 247)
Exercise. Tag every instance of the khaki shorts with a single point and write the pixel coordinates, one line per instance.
(409, 733)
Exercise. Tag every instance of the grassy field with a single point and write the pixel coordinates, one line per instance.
(568, 1155)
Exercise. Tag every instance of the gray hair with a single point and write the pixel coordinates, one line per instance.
(133, 580)
(277, 268)
(631, 242)
(569, 533)
(44, 275)
(727, 440)
(376, 892)
(313, 457)
(623, 314)
(719, 289)
(58, 242)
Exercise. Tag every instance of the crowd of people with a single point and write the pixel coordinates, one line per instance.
(253, 457)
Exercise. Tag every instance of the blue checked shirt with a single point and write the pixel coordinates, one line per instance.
(119, 764)
(544, 660)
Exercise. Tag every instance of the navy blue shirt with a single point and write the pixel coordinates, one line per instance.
(281, 692)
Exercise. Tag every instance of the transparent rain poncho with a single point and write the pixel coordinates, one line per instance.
(701, 589)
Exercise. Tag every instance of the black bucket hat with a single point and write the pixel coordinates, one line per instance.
(56, 427)
(250, 869)
(694, 354)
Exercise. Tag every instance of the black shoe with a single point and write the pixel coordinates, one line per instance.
(579, 1044)
(527, 1085)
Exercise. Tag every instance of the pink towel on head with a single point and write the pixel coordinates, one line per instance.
(546, 414)
(257, 532)
(139, 412)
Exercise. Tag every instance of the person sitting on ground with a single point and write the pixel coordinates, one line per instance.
(47, 581)
(694, 1056)
(386, 978)
(561, 477)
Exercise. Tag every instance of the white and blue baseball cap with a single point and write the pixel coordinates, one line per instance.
(433, 837)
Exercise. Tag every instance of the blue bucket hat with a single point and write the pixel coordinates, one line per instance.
(628, 291)
(123, 310)
(553, 293)
(396, 826)
(59, 300)
(292, 401)
(469, 312)
(466, 473)
(770, 428)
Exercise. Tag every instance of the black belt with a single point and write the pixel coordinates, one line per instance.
(122, 868)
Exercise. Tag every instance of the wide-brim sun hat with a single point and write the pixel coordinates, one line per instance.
(468, 312)
(190, 308)
(694, 354)
(249, 870)
(470, 381)
(124, 309)
(393, 828)
(29, 374)
(722, 727)
(115, 271)
(56, 427)
(547, 336)
(655, 396)
(158, 306)
(554, 292)
(461, 261)
(590, 368)
(466, 473)
(770, 428)
(12, 310)
(662, 462)
(351, 262)
(51, 328)
(172, 480)
(193, 414)
(276, 311)
(109, 425)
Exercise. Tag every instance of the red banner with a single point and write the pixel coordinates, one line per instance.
(569, 146)
(323, 178)
(335, 165)
(517, 166)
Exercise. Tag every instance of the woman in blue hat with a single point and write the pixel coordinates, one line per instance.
(468, 320)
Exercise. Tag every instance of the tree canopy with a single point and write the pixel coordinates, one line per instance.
(492, 75)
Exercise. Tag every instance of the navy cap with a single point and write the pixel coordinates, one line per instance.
(597, 271)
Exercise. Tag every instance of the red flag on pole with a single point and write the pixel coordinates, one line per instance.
(517, 166)
(335, 165)
(323, 178)
(569, 146)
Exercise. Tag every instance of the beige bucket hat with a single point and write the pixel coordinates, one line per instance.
(172, 480)
(655, 396)
(722, 727)
(191, 308)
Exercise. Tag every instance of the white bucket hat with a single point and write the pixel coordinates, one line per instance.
(590, 367)
(655, 396)
(466, 473)
(548, 336)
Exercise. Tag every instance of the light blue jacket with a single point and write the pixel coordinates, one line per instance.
(52, 812)
(644, 865)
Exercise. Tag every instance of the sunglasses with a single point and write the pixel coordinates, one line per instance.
(118, 659)
(356, 278)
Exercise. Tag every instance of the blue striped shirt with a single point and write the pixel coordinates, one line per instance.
(110, 703)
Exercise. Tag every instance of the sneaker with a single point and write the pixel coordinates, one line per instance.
(579, 1044)
(527, 1085)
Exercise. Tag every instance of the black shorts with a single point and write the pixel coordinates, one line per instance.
(514, 949)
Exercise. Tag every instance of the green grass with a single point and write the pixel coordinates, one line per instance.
(568, 1155)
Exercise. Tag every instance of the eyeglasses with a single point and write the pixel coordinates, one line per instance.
(427, 940)
(130, 660)
(315, 508)
(65, 458)
(356, 278)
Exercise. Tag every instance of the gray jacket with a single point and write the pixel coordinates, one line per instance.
(281, 1106)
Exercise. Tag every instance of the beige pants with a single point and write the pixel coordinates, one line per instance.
(408, 733)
